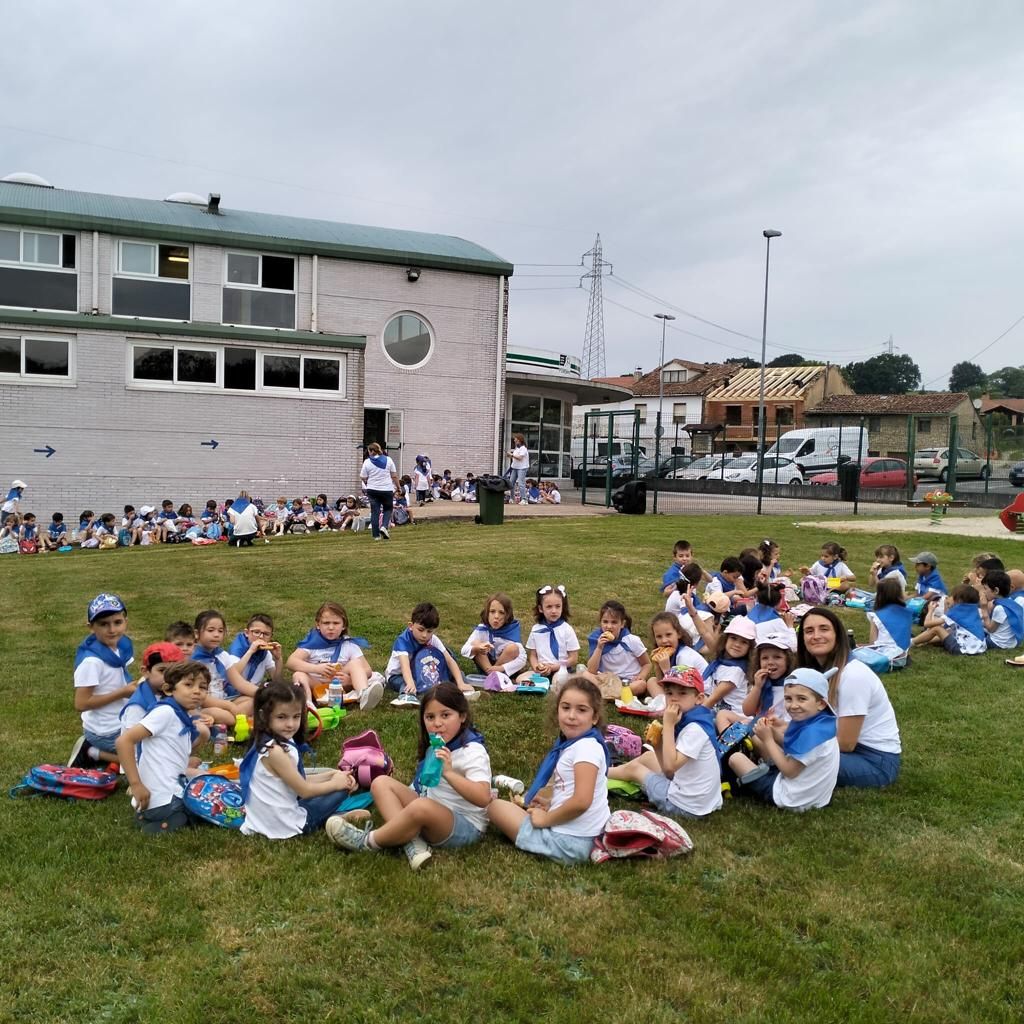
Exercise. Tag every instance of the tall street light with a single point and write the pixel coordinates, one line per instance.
(769, 234)
(659, 430)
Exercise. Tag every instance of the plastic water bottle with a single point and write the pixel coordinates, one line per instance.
(335, 693)
(241, 728)
(220, 739)
(561, 677)
(433, 766)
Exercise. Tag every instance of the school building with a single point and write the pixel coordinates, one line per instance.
(182, 348)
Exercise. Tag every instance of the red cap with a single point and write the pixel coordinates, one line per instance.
(164, 652)
(691, 678)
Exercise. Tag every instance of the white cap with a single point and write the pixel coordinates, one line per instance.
(146, 509)
(18, 483)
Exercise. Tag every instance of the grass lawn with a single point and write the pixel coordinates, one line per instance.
(897, 905)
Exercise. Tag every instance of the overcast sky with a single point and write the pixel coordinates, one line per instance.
(884, 140)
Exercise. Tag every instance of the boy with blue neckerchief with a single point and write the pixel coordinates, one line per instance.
(1003, 618)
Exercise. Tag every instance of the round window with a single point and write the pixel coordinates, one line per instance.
(407, 341)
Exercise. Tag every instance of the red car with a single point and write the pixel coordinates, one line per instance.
(874, 472)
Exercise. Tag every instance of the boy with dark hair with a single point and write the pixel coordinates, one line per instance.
(419, 660)
(1003, 618)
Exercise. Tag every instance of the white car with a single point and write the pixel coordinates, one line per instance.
(776, 471)
(707, 466)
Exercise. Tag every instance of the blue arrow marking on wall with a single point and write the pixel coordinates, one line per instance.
(209, 444)
(49, 450)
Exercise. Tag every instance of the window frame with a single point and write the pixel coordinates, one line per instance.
(57, 267)
(294, 291)
(430, 331)
(116, 273)
(36, 379)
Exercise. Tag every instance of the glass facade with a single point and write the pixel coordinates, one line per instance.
(546, 423)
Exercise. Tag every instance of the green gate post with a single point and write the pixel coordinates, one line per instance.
(951, 470)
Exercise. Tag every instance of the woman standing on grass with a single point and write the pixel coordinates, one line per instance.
(520, 464)
(869, 738)
(380, 479)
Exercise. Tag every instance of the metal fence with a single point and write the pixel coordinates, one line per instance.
(973, 465)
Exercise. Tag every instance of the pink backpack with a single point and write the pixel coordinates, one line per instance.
(623, 743)
(814, 589)
(365, 758)
(640, 834)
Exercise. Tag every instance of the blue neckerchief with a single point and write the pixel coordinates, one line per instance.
(259, 745)
(240, 504)
(143, 697)
(83, 524)
(1014, 616)
(967, 616)
(188, 727)
(718, 663)
(897, 619)
(762, 613)
(457, 743)
(673, 574)
(703, 717)
(831, 571)
(547, 766)
(896, 567)
(56, 529)
(380, 461)
(550, 628)
(319, 507)
(14, 494)
(91, 647)
(510, 632)
(533, 492)
(1017, 595)
(699, 604)
(768, 696)
(314, 640)
(28, 531)
(617, 642)
(932, 581)
(252, 671)
(172, 515)
(210, 658)
(800, 737)
(727, 587)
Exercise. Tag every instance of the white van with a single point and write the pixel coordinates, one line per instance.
(817, 449)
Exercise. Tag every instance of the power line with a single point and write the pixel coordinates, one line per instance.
(683, 330)
(547, 288)
(980, 351)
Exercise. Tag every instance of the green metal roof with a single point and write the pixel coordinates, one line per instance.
(56, 208)
(193, 329)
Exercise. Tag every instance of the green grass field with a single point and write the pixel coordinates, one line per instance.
(899, 905)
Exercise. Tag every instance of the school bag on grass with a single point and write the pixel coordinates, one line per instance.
(623, 743)
(640, 834)
(814, 589)
(70, 783)
(214, 799)
(365, 758)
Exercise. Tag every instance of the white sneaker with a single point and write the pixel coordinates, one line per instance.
(417, 852)
(471, 695)
(371, 696)
(406, 700)
(345, 834)
(384, 533)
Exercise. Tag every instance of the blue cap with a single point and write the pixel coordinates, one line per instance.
(105, 604)
(815, 681)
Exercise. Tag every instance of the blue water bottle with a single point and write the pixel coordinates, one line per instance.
(433, 766)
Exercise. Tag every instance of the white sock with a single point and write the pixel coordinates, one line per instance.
(94, 753)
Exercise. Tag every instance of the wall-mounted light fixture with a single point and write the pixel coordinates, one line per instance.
(413, 274)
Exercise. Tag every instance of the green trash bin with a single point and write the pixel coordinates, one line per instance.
(490, 491)
(848, 473)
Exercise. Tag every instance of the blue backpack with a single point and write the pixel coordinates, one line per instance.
(214, 799)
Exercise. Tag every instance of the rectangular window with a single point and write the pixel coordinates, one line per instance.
(733, 415)
(37, 270)
(673, 376)
(30, 358)
(240, 369)
(874, 424)
(784, 415)
(924, 426)
(679, 412)
(170, 364)
(642, 409)
(151, 281)
(259, 290)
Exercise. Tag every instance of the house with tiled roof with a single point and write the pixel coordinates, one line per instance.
(1011, 408)
(890, 418)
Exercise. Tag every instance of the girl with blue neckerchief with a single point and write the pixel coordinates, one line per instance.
(566, 807)
(422, 816)
(552, 643)
(832, 566)
(280, 802)
(259, 657)
(618, 657)
(890, 619)
(218, 703)
(496, 644)
(380, 480)
(887, 565)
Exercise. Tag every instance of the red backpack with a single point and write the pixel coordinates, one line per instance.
(365, 758)
(71, 783)
(640, 834)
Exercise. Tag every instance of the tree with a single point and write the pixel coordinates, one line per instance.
(965, 376)
(1007, 382)
(745, 362)
(790, 359)
(883, 375)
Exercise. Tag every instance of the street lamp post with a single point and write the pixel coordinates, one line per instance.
(769, 234)
(659, 430)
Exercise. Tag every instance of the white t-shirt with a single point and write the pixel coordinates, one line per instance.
(884, 642)
(897, 575)
(347, 651)
(1001, 637)
(593, 820)
(376, 479)
(244, 522)
(420, 479)
(814, 785)
(219, 672)
(539, 640)
(623, 658)
(520, 457)
(733, 700)
(687, 657)
(479, 636)
(11, 505)
(164, 755)
(474, 763)
(104, 721)
(861, 693)
(555, 495)
(696, 786)
(273, 809)
(966, 641)
(839, 570)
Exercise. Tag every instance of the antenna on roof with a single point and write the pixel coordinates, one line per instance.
(213, 203)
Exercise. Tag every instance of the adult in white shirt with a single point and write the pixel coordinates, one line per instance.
(520, 462)
(869, 738)
(380, 480)
(244, 521)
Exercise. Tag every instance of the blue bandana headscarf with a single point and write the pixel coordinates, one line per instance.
(547, 766)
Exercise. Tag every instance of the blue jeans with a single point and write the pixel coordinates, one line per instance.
(518, 478)
(381, 503)
(865, 768)
(320, 808)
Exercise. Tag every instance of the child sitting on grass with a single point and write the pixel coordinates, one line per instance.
(552, 643)
(804, 753)
(420, 661)
(149, 690)
(155, 752)
(959, 629)
(681, 776)
(496, 644)
(1003, 618)
(618, 658)
(890, 620)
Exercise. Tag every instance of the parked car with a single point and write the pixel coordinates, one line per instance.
(701, 469)
(874, 473)
(776, 471)
(1017, 474)
(935, 462)
(668, 465)
(622, 470)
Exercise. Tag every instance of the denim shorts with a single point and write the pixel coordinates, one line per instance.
(105, 743)
(556, 846)
(170, 817)
(656, 790)
(949, 644)
(463, 833)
